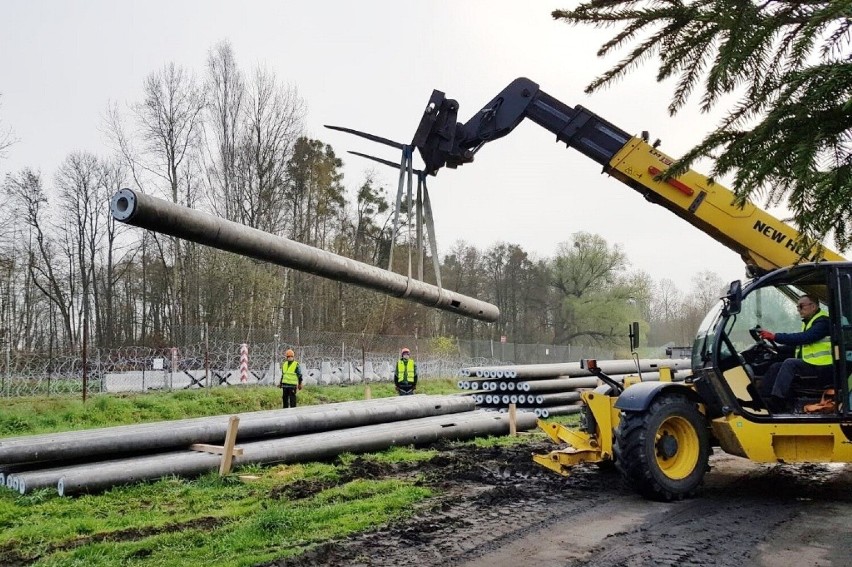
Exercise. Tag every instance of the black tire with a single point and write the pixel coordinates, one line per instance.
(662, 452)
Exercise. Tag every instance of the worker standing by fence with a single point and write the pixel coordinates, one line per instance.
(405, 377)
(291, 379)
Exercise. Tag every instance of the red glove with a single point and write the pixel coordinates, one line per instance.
(768, 335)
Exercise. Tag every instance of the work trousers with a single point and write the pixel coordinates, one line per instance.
(778, 381)
(405, 389)
(288, 396)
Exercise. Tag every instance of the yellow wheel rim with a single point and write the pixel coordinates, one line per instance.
(677, 447)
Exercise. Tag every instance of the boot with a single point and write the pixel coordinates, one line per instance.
(777, 405)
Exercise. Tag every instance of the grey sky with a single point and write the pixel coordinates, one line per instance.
(372, 65)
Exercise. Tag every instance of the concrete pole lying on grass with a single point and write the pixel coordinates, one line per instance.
(556, 385)
(166, 435)
(557, 398)
(552, 411)
(301, 448)
(161, 216)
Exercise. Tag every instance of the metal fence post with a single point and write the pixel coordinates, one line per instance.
(207, 356)
(275, 358)
(173, 368)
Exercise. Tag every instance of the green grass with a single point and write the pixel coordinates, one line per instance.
(211, 520)
(207, 521)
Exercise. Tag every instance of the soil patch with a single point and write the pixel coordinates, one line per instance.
(498, 508)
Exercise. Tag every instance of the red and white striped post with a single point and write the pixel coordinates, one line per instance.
(243, 362)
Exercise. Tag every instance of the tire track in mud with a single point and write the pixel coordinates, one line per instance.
(490, 498)
(693, 532)
(726, 525)
(515, 521)
(499, 509)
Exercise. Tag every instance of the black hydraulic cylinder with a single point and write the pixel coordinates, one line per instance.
(161, 216)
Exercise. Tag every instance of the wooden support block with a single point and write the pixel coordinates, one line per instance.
(230, 439)
(228, 451)
(368, 393)
(215, 449)
(513, 420)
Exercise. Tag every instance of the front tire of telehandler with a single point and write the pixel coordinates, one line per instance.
(663, 452)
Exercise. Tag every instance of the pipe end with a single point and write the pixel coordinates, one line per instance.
(123, 204)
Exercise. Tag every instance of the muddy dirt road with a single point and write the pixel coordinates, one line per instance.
(500, 509)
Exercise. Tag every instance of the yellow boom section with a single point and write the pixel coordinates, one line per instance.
(762, 240)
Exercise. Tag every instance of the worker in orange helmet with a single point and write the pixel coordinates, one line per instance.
(405, 378)
(291, 379)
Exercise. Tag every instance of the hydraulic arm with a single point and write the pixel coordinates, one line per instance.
(763, 242)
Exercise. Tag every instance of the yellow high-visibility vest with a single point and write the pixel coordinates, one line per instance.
(818, 353)
(288, 373)
(405, 371)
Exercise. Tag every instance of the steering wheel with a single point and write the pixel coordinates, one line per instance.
(769, 345)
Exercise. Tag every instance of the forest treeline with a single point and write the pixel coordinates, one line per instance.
(231, 142)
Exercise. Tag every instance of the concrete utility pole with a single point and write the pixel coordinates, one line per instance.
(161, 216)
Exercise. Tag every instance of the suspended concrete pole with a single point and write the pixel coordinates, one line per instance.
(155, 214)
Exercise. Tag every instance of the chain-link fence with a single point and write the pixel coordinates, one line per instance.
(228, 357)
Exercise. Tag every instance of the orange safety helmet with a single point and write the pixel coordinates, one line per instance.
(405, 351)
(289, 353)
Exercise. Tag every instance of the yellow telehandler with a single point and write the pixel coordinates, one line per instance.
(660, 434)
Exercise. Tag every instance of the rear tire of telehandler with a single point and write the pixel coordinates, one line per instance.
(662, 452)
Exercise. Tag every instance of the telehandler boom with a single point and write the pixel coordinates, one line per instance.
(660, 434)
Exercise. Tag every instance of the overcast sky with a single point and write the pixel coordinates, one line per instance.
(372, 65)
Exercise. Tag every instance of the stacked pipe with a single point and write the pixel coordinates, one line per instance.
(554, 389)
(84, 461)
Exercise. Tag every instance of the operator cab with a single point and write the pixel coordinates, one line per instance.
(730, 359)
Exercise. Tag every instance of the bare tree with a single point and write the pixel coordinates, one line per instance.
(706, 289)
(170, 120)
(7, 138)
(462, 271)
(226, 91)
(516, 290)
(46, 268)
(10, 270)
(109, 268)
(667, 300)
(81, 192)
(274, 117)
(667, 309)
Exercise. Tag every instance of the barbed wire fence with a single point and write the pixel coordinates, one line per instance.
(214, 358)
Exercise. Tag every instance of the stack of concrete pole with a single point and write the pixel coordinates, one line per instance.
(554, 389)
(93, 460)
